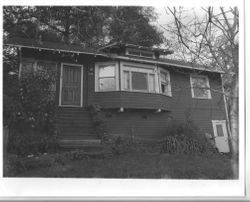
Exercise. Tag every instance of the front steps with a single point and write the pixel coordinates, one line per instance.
(76, 129)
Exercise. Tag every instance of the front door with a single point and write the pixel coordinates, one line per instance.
(71, 85)
(221, 136)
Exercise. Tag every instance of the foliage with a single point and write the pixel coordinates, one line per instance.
(135, 165)
(182, 145)
(30, 113)
(87, 26)
(127, 145)
(213, 39)
(185, 138)
(132, 25)
(99, 124)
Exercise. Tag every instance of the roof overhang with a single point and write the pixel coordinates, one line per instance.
(79, 51)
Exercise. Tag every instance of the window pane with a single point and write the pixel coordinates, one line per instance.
(199, 92)
(146, 54)
(27, 67)
(137, 53)
(126, 80)
(163, 77)
(46, 66)
(164, 83)
(107, 83)
(199, 82)
(139, 81)
(164, 88)
(106, 71)
(200, 87)
(151, 83)
(219, 130)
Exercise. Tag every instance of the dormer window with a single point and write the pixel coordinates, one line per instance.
(140, 53)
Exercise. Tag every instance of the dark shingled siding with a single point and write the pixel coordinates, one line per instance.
(139, 117)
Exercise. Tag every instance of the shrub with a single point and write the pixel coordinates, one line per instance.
(30, 113)
(185, 138)
(99, 124)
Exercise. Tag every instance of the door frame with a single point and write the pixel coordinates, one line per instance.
(224, 128)
(61, 80)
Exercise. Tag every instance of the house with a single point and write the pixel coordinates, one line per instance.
(138, 90)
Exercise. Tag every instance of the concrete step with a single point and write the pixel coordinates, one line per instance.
(77, 136)
(87, 144)
(75, 128)
(80, 126)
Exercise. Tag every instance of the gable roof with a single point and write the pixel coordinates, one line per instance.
(63, 47)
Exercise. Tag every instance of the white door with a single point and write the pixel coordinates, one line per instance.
(221, 136)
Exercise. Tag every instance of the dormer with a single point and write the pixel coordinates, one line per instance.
(131, 50)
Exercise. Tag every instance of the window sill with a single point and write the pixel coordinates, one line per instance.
(127, 91)
(202, 98)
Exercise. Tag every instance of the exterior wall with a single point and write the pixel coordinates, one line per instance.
(181, 105)
(139, 117)
(201, 111)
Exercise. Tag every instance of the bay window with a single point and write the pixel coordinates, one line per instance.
(133, 77)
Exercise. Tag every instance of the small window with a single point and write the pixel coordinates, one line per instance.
(27, 67)
(165, 85)
(219, 130)
(133, 52)
(147, 54)
(49, 69)
(200, 87)
(140, 53)
(106, 77)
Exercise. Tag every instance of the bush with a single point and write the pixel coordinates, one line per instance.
(185, 138)
(127, 145)
(30, 114)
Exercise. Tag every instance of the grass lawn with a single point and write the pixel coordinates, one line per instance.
(175, 166)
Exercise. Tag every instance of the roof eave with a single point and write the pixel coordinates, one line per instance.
(118, 57)
(51, 49)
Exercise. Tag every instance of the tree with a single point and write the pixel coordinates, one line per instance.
(88, 26)
(212, 39)
(132, 25)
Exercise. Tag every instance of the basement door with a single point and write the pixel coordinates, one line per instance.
(221, 135)
(71, 85)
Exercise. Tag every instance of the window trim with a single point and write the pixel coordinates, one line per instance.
(208, 85)
(140, 52)
(144, 69)
(97, 64)
(61, 77)
(169, 80)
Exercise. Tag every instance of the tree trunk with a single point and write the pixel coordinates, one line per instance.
(234, 128)
(5, 141)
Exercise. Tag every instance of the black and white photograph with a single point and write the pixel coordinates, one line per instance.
(121, 92)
